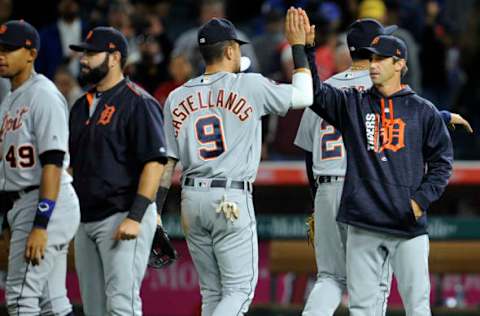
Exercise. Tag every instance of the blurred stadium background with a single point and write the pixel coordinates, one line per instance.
(443, 37)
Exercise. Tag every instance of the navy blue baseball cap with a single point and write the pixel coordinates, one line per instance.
(362, 32)
(18, 33)
(218, 30)
(103, 39)
(387, 46)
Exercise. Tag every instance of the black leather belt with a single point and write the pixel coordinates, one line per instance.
(328, 179)
(12, 196)
(218, 183)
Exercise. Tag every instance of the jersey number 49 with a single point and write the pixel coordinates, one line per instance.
(23, 157)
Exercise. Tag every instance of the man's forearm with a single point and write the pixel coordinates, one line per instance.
(165, 183)
(328, 102)
(302, 90)
(50, 182)
(150, 179)
(147, 189)
(49, 188)
(309, 171)
(167, 176)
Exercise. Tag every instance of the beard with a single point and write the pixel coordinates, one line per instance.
(93, 75)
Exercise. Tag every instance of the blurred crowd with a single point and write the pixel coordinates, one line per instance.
(443, 39)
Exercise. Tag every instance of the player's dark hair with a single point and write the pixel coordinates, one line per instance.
(214, 52)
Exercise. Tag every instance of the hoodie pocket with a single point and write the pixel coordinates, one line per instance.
(383, 204)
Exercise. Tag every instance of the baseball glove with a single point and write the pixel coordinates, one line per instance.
(163, 253)
(311, 229)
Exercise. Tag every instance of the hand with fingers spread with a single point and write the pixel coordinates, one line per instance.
(294, 27)
(36, 244)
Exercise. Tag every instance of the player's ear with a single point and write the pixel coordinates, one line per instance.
(229, 52)
(32, 55)
(116, 58)
(399, 64)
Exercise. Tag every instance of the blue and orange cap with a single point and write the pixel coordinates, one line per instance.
(18, 33)
(387, 46)
(103, 39)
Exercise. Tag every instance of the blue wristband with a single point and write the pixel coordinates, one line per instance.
(44, 212)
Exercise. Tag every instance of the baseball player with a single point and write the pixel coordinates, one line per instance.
(213, 127)
(400, 161)
(326, 166)
(35, 190)
(118, 152)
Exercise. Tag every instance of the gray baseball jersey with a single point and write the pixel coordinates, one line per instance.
(213, 123)
(322, 139)
(33, 120)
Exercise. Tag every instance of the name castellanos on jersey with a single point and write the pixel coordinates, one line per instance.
(230, 101)
(12, 123)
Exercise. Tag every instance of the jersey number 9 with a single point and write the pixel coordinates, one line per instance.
(209, 132)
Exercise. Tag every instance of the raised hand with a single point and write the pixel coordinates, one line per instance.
(294, 27)
(309, 29)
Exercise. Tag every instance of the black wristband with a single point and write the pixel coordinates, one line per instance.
(161, 198)
(40, 222)
(139, 207)
(299, 56)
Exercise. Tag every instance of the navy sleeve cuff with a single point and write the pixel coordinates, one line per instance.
(446, 116)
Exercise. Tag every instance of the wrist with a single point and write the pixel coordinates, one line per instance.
(44, 212)
(138, 208)
(299, 57)
(297, 43)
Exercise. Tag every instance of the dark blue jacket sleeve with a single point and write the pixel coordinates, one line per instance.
(309, 170)
(438, 156)
(146, 131)
(328, 102)
(446, 116)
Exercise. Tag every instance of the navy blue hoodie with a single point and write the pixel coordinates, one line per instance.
(398, 149)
